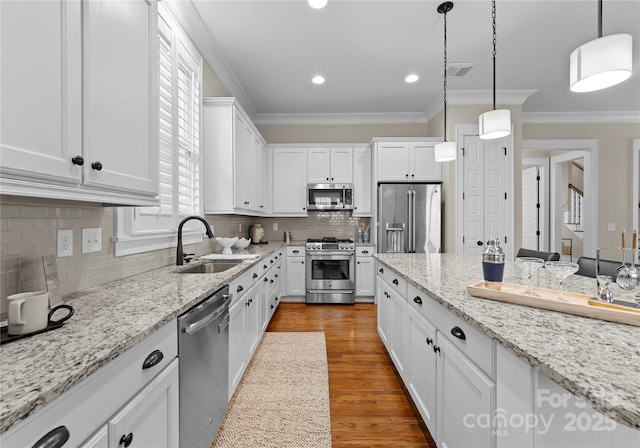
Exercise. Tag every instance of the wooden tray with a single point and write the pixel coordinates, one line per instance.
(576, 303)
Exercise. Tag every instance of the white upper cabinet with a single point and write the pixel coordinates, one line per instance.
(407, 161)
(330, 165)
(234, 160)
(362, 186)
(79, 100)
(289, 181)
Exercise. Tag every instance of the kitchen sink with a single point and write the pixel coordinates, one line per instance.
(209, 267)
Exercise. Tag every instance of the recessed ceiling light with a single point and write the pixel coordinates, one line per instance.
(317, 79)
(411, 78)
(317, 4)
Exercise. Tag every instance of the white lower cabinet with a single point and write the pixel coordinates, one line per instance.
(382, 310)
(296, 280)
(99, 440)
(151, 417)
(391, 323)
(365, 272)
(237, 354)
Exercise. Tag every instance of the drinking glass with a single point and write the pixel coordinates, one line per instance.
(529, 265)
(562, 270)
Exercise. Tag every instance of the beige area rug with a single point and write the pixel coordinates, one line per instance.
(283, 398)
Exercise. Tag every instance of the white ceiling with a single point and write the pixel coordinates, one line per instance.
(271, 50)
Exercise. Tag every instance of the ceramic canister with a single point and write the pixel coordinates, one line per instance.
(28, 312)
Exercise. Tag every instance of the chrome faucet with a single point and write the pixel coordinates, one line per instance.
(180, 256)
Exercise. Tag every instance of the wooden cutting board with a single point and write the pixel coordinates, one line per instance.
(576, 303)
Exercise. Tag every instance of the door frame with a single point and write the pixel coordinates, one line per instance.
(635, 193)
(591, 153)
(472, 129)
(543, 165)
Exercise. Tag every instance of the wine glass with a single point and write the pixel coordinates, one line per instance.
(562, 270)
(529, 265)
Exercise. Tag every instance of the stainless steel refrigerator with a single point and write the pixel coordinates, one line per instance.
(409, 218)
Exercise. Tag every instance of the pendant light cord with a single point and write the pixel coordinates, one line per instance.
(445, 78)
(493, 16)
(599, 19)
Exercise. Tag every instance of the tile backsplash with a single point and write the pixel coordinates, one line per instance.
(28, 230)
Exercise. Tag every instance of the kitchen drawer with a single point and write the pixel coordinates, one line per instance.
(90, 403)
(238, 286)
(476, 346)
(295, 251)
(364, 251)
(395, 280)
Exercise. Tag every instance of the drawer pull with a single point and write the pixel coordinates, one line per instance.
(296, 251)
(418, 300)
(240, 288)
(429, 341)
(53, 439)
(395, 281)
(126, 440)
(78, 160)
(457, 332)
(436, 349)
(365, 251)
(154, 358)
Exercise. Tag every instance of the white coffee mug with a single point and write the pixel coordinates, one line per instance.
(28, 312)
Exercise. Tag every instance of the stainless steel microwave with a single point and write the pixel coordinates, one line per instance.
(330, 197)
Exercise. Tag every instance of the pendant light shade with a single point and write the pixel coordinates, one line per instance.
(494, 123)
(445, 151)
(601, 63)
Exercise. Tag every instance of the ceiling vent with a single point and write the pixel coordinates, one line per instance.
(458, 68)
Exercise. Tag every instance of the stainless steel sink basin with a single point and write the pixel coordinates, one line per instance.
(208, 267)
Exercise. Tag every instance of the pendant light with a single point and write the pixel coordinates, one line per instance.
(602, 62)
(445, 151)
(494, 123)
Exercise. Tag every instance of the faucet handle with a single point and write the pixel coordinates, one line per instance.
(187, 257)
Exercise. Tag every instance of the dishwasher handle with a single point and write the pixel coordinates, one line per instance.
(197, 326)
(223, 325)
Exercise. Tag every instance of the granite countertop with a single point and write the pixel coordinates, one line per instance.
(596, 360)
(108, 320)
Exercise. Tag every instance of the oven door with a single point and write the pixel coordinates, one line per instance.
(330, 271)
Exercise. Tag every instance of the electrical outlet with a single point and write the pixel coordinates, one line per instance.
(275, 226)
(91, 240)
(65, 243)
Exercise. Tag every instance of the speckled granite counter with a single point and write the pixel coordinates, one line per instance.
(596, 360)
(108, 320)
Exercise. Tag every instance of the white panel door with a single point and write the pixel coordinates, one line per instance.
(530, 211)
(473, 195)
(290, 181)
(319, 165)
(484, 193)
(393, 161)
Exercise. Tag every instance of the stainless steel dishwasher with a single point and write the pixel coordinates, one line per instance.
(203, 350)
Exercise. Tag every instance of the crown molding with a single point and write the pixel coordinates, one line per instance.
(193, 26)
(341, 118)
(478, 98)
(581, 117)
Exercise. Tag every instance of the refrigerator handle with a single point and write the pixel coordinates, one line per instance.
(413, 221)
(409, 243)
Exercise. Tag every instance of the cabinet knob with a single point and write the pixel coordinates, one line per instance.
(126, 440)
(98, 167)
(395, 281)
(381, 270)
(406, 175)
(53, 439)
(265, 279)
(154, 358)
(255, 275)
(78, 160)
(240, 288)
(271, 306)
(429, 341)
(479, 243)
(418, 300)
(304, 208)
(357, 262)
(436, 349)
(457, 332)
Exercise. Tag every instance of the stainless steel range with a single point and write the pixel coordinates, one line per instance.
(330, 271)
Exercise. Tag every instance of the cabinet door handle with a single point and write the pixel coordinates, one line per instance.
(429, 341)
(240, 288)
(381, 270)
(457, 332)
(270, 261)
(365, 251)
(271, 306)
(395, 281)
(126, 440)
(436, 349)
(255, 275)
(98, 167)
(53, 439)
(418, 300)
(265, 279)
(264, 266)
(154, 358)
(296, 251)
(78, 160)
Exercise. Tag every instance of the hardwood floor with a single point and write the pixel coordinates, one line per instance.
(369, 405)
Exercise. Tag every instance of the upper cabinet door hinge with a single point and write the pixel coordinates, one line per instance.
(505, 240)
(505, 195)
(462, 151)
(505, 150)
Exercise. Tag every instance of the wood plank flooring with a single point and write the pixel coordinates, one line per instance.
(369, 405)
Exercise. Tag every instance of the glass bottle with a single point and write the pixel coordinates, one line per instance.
(493, 261)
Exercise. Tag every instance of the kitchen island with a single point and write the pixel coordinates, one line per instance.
(595, 360)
